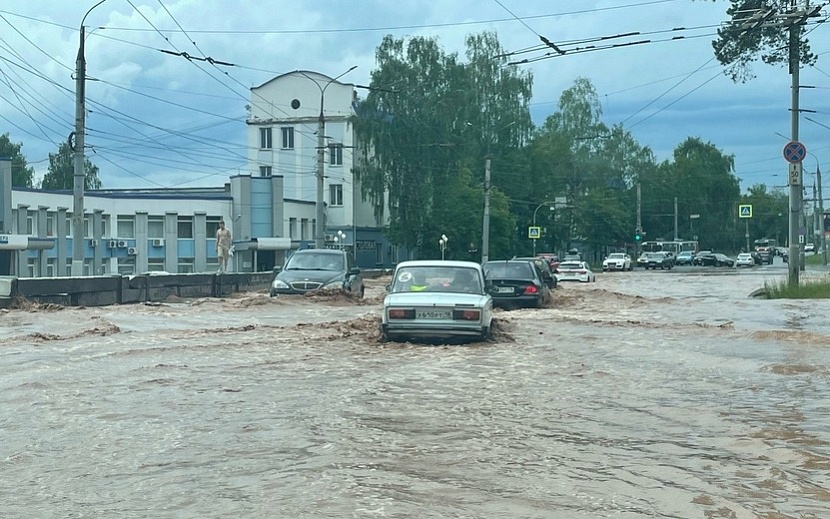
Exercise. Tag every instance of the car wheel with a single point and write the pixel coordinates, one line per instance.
(485, 334)
(362, 291)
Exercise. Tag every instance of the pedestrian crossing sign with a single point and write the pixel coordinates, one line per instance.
(534, 232)
(745, 211)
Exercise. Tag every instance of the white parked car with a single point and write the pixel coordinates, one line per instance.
(575, 271)
(617, 261)
(744, 259)
(437, 299)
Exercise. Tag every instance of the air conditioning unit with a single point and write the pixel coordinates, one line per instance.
(122, 244)
(93, 243)
(132, 251)
(329, 237)
(112, 244)
(158, 242)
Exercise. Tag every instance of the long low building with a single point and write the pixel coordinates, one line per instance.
(130, 231)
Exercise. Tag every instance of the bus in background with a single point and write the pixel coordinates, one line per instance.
(675, 247)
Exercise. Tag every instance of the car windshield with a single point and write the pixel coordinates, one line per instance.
(616, 256)
(508, 270)
(437, 279)
(685, 253)
(315, 261)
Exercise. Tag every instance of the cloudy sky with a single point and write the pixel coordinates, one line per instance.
(159, 120)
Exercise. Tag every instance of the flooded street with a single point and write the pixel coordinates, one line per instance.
(645, 394)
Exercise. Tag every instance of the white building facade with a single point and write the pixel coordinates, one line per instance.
(283, 139)
(269, 211)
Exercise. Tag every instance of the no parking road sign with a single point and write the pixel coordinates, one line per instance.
(795, 152)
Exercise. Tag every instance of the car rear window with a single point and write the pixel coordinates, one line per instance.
(508, 271)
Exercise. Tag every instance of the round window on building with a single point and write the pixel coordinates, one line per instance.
(295, 103)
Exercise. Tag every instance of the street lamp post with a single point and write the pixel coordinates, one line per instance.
(320, 237)
(443, 244)
(78, 176)
(341, 237)
(534, 219)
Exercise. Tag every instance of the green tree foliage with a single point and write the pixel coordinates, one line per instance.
(61, 172)
(770, 210)
(702, 179)
(576, 156)
(22, 174)
(749, 35)
(425, 129)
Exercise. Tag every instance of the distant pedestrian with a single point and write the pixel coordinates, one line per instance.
(223, 246)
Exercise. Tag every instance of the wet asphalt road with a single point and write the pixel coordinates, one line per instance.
(645, 394)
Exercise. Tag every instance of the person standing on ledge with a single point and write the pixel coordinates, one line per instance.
(223, 246)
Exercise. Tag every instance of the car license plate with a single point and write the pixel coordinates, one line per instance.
(432, 314)
(505, 290)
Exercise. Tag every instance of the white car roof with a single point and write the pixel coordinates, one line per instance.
(438, 263)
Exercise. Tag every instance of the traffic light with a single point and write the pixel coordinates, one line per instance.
(637, 236)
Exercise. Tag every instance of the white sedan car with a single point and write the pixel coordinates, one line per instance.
(437, 299)
(575, 271)
(617, 261)
(744, 259)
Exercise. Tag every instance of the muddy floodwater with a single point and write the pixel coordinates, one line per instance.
(645, 394)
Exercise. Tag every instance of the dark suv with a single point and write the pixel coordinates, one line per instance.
(319, 269)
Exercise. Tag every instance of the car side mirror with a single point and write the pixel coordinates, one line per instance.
(354, 271)
(277, 269)
(388, 287)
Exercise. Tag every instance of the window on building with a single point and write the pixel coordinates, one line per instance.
(211, 226)
(336, 154)
(292, 228)
(125, 226)
(185, 227)
(51, 267)
(303, 228)
(30, 225)
(155, 264)
(378, 253)
(126, 266)
(50, 225)
(288, 138)
(185, 265)
(87, 226)
(155, 227)
(265, 139)
(336, 195)
(265, 171)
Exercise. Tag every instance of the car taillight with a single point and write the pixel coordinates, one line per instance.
(580, 272)
(466, 315)
(531, 289)
(401, 313)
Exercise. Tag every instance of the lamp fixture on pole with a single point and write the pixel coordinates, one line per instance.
(443, 244)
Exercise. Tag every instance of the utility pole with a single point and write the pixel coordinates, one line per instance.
(320, 235)
(795, 180)
(485, 239)
(821, 216)
(676, 237)
(78, 174)
(639, 213)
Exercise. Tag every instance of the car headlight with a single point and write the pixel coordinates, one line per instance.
(280, 284)
(337, 283)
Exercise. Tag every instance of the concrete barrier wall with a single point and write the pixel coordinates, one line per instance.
(110, 290)
(116, 289)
